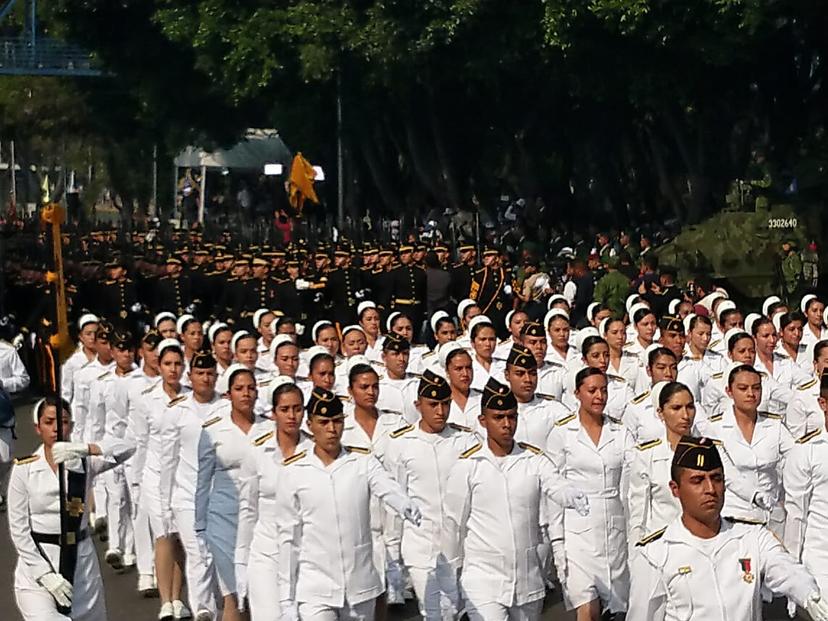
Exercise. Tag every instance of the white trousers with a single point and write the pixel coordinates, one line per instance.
(39, 605)
(144, 543)
(322, 612)
(118, 511)
(199, 571)
(436, 591)
(6, 457)
(263, 598)
(492, 611)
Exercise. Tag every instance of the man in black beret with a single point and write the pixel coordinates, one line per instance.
(700, 545)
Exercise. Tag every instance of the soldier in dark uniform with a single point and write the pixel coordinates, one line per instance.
(343, 287)
(174, 292)
(408, 287)
(118, 296)
(370, 254)
(381, 282)
(261, 288)
(491, 290)
(199, 282)
(442, 252)
(462, 272)
(235, 292)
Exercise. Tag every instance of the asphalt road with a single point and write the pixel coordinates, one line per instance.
(125, 604)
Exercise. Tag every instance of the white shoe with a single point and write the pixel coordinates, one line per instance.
(129, 560)
(147, 586)
(180, 610)
(204, 615)
(166, 613)
(114, 559)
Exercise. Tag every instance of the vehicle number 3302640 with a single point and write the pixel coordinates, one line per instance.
(782, 223)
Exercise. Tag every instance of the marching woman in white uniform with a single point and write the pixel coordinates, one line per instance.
(621, 362)
(159, 405)
(483, 342)
(465, 403)
(753, 448)
(34, 522)
(225, 444)
(256, 558)
(369, 319)
(591, 451)
(651, 505)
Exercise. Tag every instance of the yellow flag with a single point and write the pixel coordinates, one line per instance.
(300, 184)
(44, 190)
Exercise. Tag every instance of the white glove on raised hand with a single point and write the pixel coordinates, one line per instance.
(290, 611)
(507, 289)
(241, 585)
(817, 607)
(573, 498)
(302, 284)
(58, 586)
(764, 500)
(412, 513)
(395, 592)
(67, 451)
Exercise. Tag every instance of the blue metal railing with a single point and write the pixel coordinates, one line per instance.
(20, 56)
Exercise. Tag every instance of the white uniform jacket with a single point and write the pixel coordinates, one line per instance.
(679, 577)
(650, 503)
(491, 526)
(325, 547)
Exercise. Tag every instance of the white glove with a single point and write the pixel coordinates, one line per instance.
(290, 611)
(302, 284)
(764, 500)
(61, 589)
(203, 549)
(300, 329)
(67, 451)
(317, 298)
(816, 607)
(136, 308)
(395, 590)
(241, 585)
(412, 513)
(559, 558)
(507, 289)
(18, 341)
(573, 498)
(190, 308)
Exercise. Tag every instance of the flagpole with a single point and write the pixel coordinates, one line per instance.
(340, 190)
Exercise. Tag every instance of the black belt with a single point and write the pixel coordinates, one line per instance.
(55, 539)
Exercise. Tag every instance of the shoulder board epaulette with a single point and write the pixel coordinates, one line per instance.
(344, 398)
(293, 458)
(565, 420)
(648, 445)
(457, 427)
(612, 419)
(747, 521)
(651, 537)
(716, 442)
(359, 449)
(103, 375)
(212, 421)
(541, 395)
(809, 436)
(628, 345)
(714, 343)
(469, 452)
(641, 397)
(22, 461)
(530, 447)
(148, 389)
(718, 375)
(264, 382)
(109, 282)
(401, 431)
(771, 415)
(808, 385)
(616, 377)
(716, 418)
(427, 354)
(480, 271)
(263, 438)
(177, 400)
